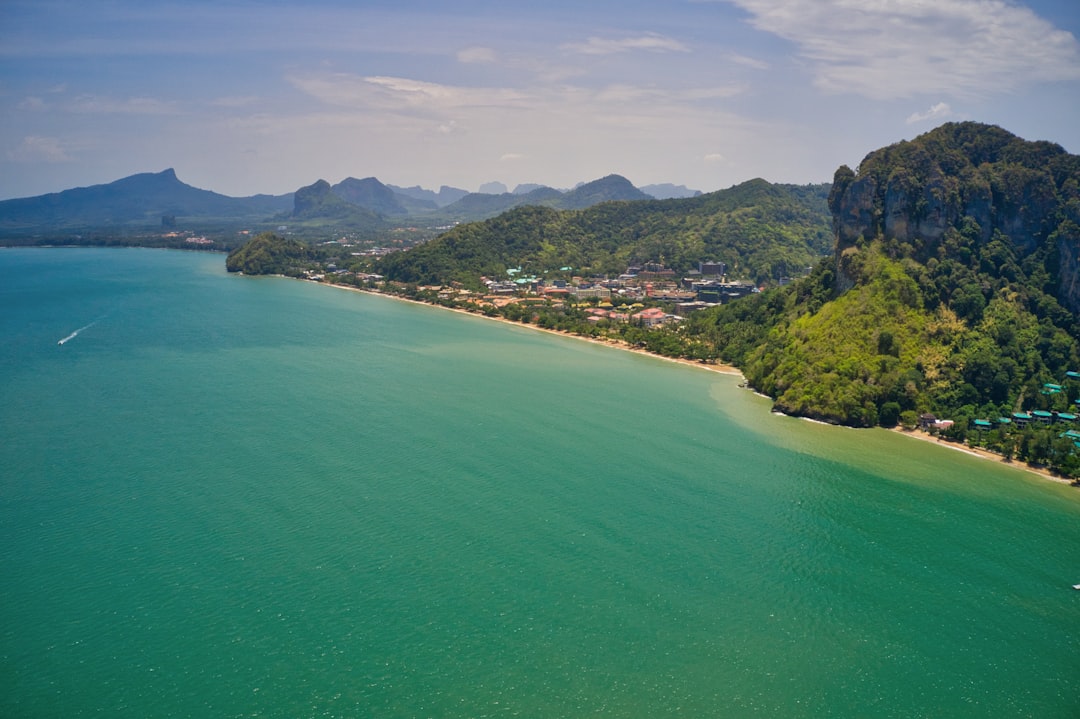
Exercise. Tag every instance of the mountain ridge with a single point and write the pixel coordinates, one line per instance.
(148, 199)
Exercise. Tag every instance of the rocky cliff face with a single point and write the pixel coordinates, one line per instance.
(964, 179)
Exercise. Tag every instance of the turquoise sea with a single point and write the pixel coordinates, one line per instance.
(255, 497)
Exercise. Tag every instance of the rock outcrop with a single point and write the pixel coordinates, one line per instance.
(962, 178)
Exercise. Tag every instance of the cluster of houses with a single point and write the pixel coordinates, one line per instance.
(650, 283)
(706, 287)
(700, 289)
(1020, 420)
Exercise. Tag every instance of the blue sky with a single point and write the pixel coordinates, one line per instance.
(249, 97)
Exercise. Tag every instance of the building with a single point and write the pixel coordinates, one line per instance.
(652, 317)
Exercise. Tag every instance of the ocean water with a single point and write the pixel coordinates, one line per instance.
(255, 497)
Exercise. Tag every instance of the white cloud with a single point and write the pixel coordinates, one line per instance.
(888, 49)
(400, 94)
(609, 46)
(35, 148)
(714, 157)
(511, 157)
(937, 112)
(476, 55)
(750, 62)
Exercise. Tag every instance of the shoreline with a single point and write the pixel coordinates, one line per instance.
(719, 369)
(980, 453)
(614, 344)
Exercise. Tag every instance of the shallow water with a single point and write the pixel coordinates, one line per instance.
(231, 496)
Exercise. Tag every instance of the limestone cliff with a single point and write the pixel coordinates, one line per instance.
(968, 179)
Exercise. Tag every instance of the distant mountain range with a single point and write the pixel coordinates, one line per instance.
(143, 199)
(149, 200)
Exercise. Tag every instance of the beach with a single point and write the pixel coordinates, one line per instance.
(722, 369)
(978, 452)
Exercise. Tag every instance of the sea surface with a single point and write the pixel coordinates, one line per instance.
(229, 496)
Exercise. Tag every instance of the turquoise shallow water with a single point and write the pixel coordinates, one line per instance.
(233, 496)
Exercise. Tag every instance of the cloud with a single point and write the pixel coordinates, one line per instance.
(714, 157)
(35, 148)
(476, 55)
(399, 94)
(905, 48)
(609, 46)
(936, 112)
(748, 61)
(511, 157)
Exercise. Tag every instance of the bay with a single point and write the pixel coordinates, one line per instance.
(234, 496)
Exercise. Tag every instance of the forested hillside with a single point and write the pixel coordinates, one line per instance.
(269, 254)
(762, 231)
(951, 289)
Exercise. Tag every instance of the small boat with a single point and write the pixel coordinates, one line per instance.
(1076, 586)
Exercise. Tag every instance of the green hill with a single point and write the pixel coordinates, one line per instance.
(318, 205)
(269, 254)
(762, 231)
(952, 288)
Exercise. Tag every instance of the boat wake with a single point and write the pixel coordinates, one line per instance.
(75, 334)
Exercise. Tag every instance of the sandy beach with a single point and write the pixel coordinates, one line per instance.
(720, 368)
(979, 452)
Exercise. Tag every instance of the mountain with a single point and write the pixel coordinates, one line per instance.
(527, 187)
(318, 204)
(606, 189)
(952, 289)
(480, 206)
(370, 194)
(138, 200)
(493, 188)
(762, 231)
(431, 200)
(668, 191)
(148, 200)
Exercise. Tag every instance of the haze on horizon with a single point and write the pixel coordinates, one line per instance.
(245, 97)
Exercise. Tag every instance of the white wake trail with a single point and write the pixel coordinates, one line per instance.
(74, 334)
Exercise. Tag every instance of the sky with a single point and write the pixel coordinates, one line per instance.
(245, 97)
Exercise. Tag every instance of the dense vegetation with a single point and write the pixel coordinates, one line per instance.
(268, 254)
(925, 308)
(762, 231)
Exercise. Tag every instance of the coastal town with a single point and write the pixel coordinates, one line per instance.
(650, 295)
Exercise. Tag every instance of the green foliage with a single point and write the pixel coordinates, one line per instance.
(959, 318)
(763, 232)
(268, 254)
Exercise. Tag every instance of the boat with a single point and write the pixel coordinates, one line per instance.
(1076, 586)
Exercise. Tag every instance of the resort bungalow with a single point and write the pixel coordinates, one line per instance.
(1065, 417)
(982, 424)
(1042, 416)
(1072, 375)
(1021, 419)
